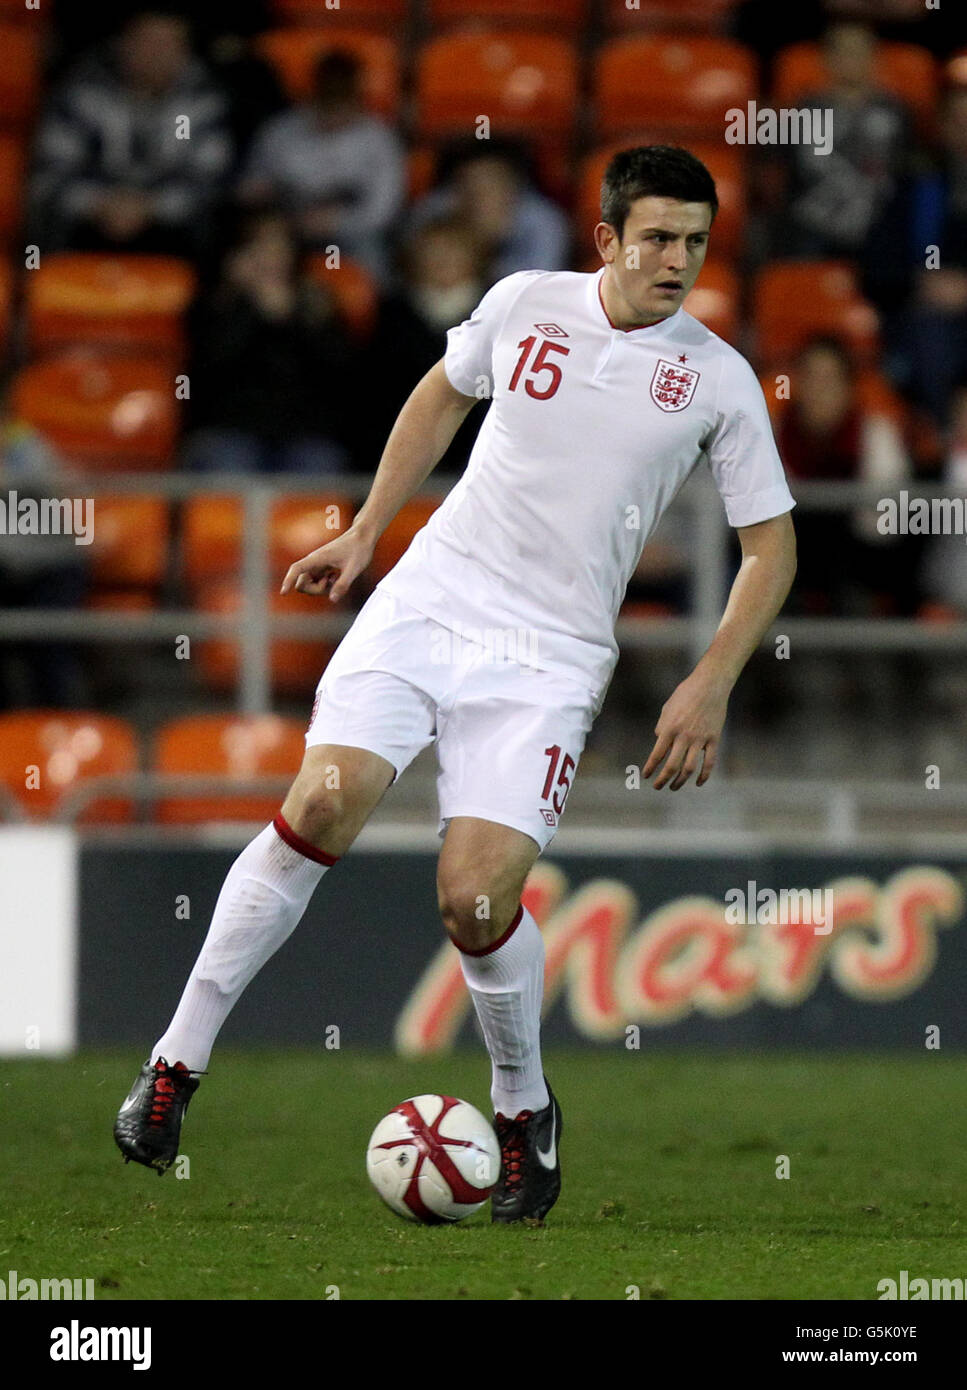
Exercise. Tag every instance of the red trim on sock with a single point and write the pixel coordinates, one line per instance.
(496, 945)
(285, 832)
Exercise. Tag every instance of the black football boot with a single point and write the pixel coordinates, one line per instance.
(530, 1170)
(148, 1125)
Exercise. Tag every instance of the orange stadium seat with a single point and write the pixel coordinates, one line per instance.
(564, 15)
(130, 546)
(19, 74)
(353, 288)
(44, 754)
(374, 14)
(715, 300)
(394, 541)
(12, 164)
(100, 411)
(211, 538)
(678, 84)
(212, 533)
(296, 664)
(726, 164)
(301, 524)
(524, 82)
(236, 747)
(293, 54)
(795, 300)
(110, 301)
(707, 16)
(904, 69)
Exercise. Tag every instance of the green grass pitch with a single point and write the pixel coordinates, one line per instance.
(669, 1166)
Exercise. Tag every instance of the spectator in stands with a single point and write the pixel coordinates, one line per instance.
(334, 167)
(927, 23)
(834, 202)
(440, 285)
(226, 35)
(945, 568)
(38, 571)
(271, 362)
(133, 146)
(766, 27)
(486, 184)
(932, 332)
(824, 435)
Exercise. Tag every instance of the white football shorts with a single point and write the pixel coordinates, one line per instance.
(508, 735)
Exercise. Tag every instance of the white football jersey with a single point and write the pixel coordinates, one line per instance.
(591, 432)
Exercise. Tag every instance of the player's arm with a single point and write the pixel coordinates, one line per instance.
(690, 725)
(420, 437)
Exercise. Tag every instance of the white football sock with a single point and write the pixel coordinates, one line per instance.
(263, 898)
(507, 987)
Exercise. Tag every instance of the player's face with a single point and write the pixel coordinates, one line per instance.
(658, 259)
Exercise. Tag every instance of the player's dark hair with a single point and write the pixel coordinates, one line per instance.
(653, 171)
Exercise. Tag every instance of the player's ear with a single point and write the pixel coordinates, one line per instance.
(607, 241)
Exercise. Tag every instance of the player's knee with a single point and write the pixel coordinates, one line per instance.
(315, 810)
(475, 914)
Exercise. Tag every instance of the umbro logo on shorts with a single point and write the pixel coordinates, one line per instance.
(549, 816)
(551, 330)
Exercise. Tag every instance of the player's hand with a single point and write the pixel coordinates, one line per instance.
(688, 731)
(331, 567)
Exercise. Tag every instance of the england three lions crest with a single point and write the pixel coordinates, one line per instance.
(673, 386)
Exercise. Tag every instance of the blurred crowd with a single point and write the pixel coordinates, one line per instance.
(280, 383)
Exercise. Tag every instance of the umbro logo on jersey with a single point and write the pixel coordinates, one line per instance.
(673, 386)
(551, 330)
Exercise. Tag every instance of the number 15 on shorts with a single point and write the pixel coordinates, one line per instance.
(557, 783)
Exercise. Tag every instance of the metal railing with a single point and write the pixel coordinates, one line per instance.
(255, 625)
(830, 814)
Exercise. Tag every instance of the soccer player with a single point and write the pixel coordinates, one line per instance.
(493, 636)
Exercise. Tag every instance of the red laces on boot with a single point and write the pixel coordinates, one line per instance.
(509, 1136)
(164, 1093)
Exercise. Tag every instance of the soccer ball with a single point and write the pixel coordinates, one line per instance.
(433, 1159)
